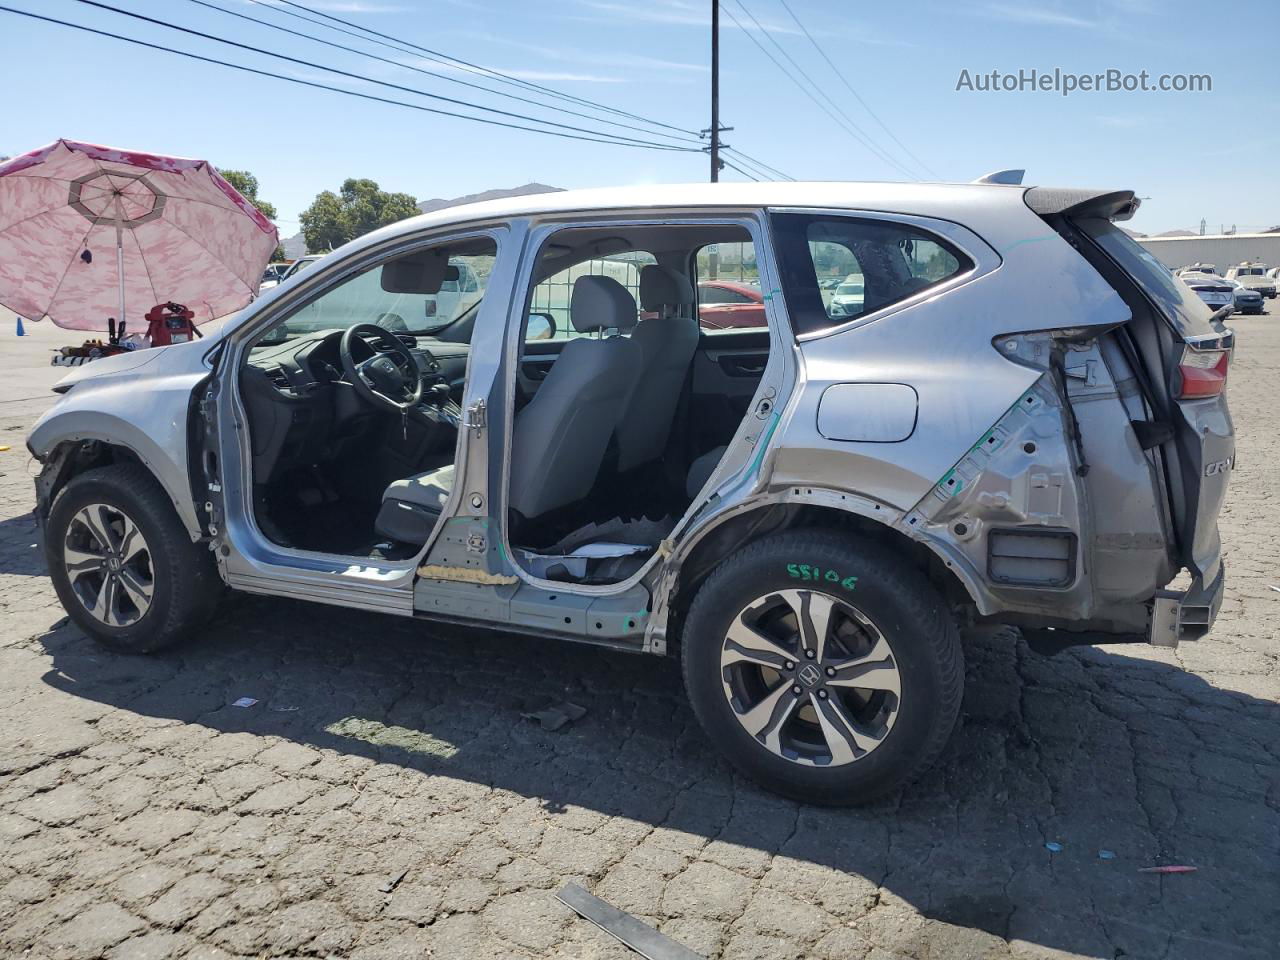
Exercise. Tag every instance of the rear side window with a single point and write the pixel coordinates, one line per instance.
(836, 269)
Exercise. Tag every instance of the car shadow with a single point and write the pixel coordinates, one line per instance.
(20, 546)
(1124, 762)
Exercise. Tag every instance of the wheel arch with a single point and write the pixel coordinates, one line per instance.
(69, 448)
(798, 508)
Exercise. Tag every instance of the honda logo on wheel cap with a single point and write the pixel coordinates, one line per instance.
(809, 674)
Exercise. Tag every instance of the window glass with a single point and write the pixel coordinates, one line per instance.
(728, 287)
(551, 297)
(400, 296)
(836, 269)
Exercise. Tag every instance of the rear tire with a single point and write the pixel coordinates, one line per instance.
(123, 564)
(868, 712)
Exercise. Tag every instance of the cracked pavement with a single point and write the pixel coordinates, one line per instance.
(384, 798)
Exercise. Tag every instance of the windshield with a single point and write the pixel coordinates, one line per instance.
(1188, 314)
(393, 295)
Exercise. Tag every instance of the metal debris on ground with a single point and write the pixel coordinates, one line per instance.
(393, 881)
(554, 715)
(244, 702)
(1053, 847)
(1274, 587)
(640, 937)
(1172, 868)
(1106, 854)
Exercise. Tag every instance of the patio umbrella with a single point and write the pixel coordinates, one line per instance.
(90, 232)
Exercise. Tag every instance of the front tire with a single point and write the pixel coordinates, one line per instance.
(827, 668)
(122, 563)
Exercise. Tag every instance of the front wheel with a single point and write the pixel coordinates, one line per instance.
(122, 563)
(827, 668)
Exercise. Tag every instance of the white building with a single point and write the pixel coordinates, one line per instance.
(1220, 250)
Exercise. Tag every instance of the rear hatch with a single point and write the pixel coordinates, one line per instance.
(1182, 352)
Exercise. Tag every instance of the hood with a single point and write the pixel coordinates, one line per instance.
(126, 364)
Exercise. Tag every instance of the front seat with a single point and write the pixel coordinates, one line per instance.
(559, 438)
(667, 341)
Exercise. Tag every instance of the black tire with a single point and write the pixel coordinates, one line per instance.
(909, 614)
(185, 586)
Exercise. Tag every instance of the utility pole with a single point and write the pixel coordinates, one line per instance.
(715, 90)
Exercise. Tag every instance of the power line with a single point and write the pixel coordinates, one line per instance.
(351, 93)
(866, 106)
(472, 67)
(402, 46)
(429, 73)
(732, 166)
(381, 83)
(761, 167)
(848, 127)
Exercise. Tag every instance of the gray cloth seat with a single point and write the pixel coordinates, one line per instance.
(700, 470)
(411, 506)
(667, 342)
(559, 439)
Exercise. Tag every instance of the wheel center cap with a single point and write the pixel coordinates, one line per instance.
(113, 564)
(809, 675)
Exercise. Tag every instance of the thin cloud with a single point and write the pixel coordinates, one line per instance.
(1038, 16)
(672, 12)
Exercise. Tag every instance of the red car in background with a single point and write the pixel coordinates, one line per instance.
(725, 304)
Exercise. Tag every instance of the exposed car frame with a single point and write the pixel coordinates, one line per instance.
(1031, 490)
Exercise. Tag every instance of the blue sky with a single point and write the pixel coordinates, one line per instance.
(1208, 154)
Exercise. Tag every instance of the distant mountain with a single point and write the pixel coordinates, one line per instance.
(296, 246)
(1178, 233)
(1133, 233)
(431, 206)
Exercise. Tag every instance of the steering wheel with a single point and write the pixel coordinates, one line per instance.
(390, 377)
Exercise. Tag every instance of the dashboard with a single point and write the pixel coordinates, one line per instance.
(301, 409)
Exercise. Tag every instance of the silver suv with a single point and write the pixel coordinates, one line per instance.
(1022, 420)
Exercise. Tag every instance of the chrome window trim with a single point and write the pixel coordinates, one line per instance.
(983, 256)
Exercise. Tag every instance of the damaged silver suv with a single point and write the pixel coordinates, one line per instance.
(1022, 419)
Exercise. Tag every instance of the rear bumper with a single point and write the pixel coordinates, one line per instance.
(1176, 615)
(1186, 615)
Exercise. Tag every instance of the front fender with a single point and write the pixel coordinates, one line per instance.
(148, 416)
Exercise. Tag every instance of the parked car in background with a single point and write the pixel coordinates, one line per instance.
(1208, 268)
(848, 297)
(1213, 290)
(272, 275)
(730, 304)
(299, 265)
(838, 493)
(1255, 277)
(1246, 299)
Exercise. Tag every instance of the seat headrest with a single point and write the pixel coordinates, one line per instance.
(662, 287)
(601, 303)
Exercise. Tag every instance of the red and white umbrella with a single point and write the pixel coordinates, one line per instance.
(90, 232)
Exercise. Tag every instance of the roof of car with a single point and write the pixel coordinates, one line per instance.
(898, 197)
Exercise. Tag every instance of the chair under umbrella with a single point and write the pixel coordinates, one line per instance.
(89, 233)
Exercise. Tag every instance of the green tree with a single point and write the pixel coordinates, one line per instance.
(247, 186)
(357, 208)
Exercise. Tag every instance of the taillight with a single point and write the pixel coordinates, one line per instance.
(1204, 372)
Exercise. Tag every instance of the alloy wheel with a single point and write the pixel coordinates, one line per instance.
(810, 677)
(109, 565)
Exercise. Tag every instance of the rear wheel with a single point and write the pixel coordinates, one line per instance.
(122, 563)
(826, 668)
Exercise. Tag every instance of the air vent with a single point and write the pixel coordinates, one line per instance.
(279, 378)
(1032, 558)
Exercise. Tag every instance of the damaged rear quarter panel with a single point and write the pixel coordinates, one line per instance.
(1026, 278)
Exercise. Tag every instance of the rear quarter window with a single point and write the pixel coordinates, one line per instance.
(837, 269)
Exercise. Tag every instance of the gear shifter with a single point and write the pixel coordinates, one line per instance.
(437, 394)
